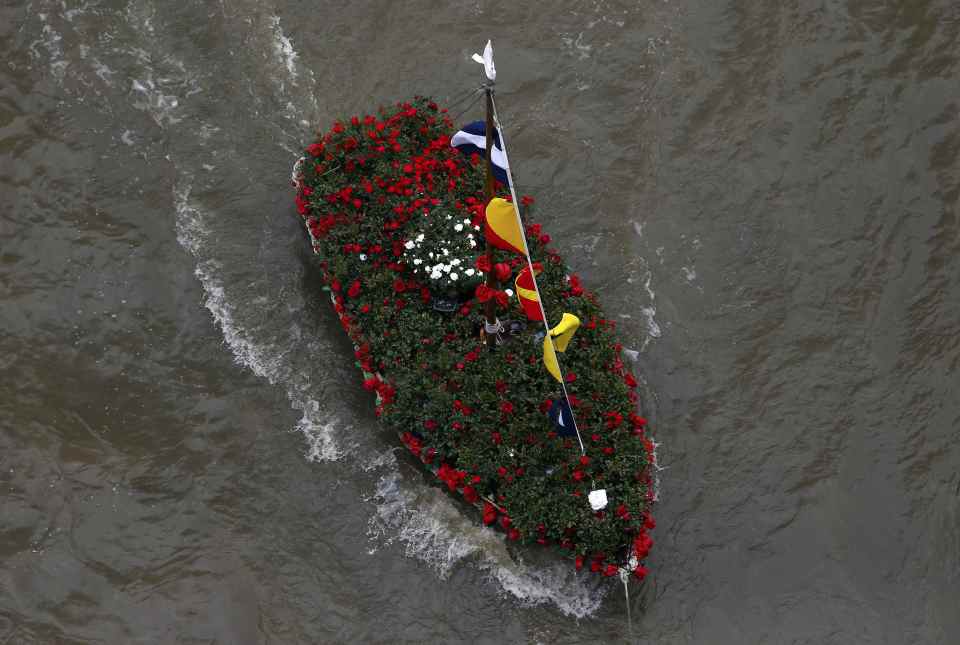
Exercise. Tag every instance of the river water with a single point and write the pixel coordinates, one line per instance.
(764, 194)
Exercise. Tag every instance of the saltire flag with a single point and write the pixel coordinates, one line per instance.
(562, 417)
(472, 139)
(527, 293)
(559, 337)
(503, 229)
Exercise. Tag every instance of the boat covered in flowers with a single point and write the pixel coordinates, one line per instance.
(398, 219)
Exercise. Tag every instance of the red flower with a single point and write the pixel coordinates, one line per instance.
(484, 293)
(489, 513)
(578, 562)
(610, 571)
(544, 239)
(629, 380)
(365, 309)
(584, 460)
(571, 377)
(315, 149)
(354, 289)
(578, 475)
(483, 264)
(640, 573)
(497, 439)
(502, 271)
(513, 534)
(430, 425)
(500, 386)
(506, 407)
(399, 286)
(470, 494)
(526, 200)
(502, 471)
(614, 419)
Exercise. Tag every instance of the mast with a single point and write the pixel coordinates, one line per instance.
(490, 307)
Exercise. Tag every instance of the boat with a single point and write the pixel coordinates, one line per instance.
(482, 350)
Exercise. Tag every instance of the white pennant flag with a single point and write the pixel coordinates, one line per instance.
(487, 61)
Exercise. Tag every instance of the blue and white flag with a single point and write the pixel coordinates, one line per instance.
(472, 139)
(562, 418)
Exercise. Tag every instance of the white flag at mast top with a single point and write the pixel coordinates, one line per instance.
(487, 61)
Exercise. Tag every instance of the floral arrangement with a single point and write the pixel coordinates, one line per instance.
(379, 192)
(443, 252)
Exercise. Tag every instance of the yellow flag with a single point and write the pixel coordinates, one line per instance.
(558, 338)
(564, 331)
(550, 358)
(502, 230)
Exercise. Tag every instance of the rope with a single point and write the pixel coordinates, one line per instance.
(526, 252)
(474, 94)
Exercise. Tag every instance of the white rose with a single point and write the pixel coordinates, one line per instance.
(417, 261)
(476, 228)
(408, 244)
(472, 244)
(420, 238)
(435, 275)
(509, 293)
(469, 272)
(446, 268)
(446, 252)
(363, 258)
(455, 262)
(458, 228)
(454, 276)
(466, 221)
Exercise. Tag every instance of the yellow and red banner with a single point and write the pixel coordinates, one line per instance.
(503, 229)
(527, 292)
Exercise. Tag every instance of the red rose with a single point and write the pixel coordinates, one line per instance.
(354, 289)
(365, 309)
(489, 513)
(571, 377)
(610, 571)
(484, 293)
(470, 494)
(584, 460)
(513, 534)
(578, 475)
(502, 471)
(506, 407)
(578, 562)
(497, 439)
(629, 380)
(502, 271)
(640, 573)
(526, 200)
(483, 264)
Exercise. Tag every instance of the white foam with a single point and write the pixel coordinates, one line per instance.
(433, 530)
(283, 49)
(263, 359)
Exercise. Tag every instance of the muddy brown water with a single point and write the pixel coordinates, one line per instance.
(764, 195)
